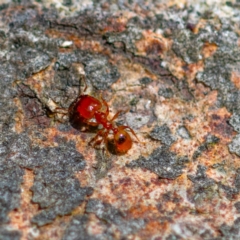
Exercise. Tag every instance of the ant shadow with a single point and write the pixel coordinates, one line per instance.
(111, 148)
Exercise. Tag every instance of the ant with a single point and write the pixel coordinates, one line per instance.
(87, 108)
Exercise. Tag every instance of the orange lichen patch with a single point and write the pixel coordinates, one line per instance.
(94, 225)
(121, 184)
(78, 41)
(209, 49)
(177, 67)
(19, 116)
(235, 78)
(221, 165)
(226, 211)
(54, 33)
(197, 126)
(87, 177)
(190, 74)
(152, 44)
(82, 143)
(55, 230)
(49, 134)
(219, 126)
(154, 227)
(201, 24)
(115, 24)
(52, 133)
(91, 45)
(130, 75)
(217, 208)
(37, 80)
(142, 210)
(214, 154)
(20, 218)
(200, 90)
(176, 3)
(80, 209)
(193, 69)
(173, 112)
(184, 147)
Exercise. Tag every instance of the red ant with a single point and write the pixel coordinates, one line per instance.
(86, 108)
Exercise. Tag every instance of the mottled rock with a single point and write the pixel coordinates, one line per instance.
(111, 215)
(234, 146)
(163, 134)
(163, 162)
(235, 122)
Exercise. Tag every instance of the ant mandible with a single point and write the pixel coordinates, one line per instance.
(86, 108)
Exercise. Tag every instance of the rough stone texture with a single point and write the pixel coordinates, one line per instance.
(235, 122)
(218, 68)
(101, 73)
(187, 45)
(54, 170)
(163, 162)
(231, 232)
(55, 180)
(234, 146)
(210, 140)
(9, 234)
(183, 132)
(172, 67)
(111, 215)
(11, 177)
(145, 80)
(163, 134)
(165, 92)
(237, 206)
(110, 219)
(78, 230)
(202, 184)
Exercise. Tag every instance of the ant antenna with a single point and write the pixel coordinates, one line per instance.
(86, 86)
(82, 77)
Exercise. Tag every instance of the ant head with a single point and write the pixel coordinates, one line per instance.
(122, 140)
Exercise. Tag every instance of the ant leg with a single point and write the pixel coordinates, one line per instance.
(105, 137)
(63, 111)
(93, 124)
(116, 115)
(82, 77)
(127, 127)
(106, 105)
(54, 114)
(97, 143)
(100, 133)
(86, 86)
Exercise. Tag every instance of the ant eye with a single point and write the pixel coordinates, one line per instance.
(121, 139)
